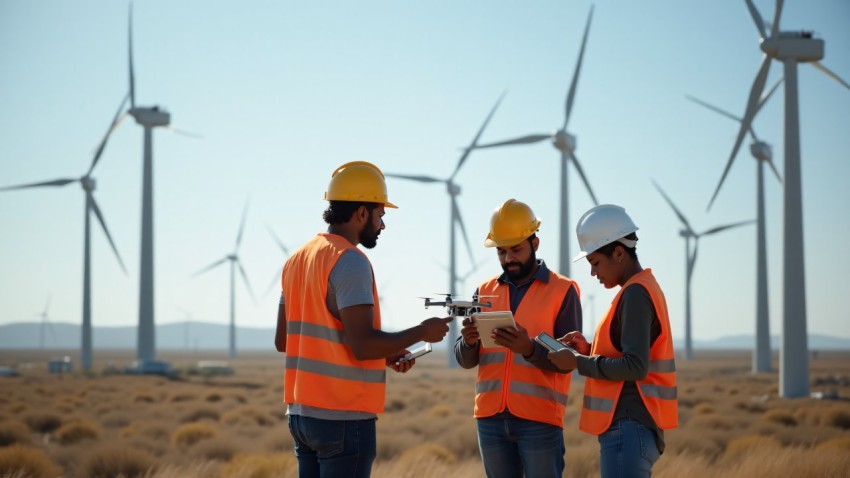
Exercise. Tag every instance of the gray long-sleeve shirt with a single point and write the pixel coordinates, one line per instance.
(634, 329)
(569, 318)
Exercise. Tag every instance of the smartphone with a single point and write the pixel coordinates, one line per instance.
(550, 342)
(417, 352)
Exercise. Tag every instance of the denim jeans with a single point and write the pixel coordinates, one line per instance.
(627, 449)
(512, 447)
(333, 448)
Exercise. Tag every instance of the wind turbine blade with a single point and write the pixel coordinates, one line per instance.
(184, 132)
(713, 108)
(116, 120)
(241, 226)
(778, 13)
(692, 261)
(675, 209)
(757, 19)
(462, 229)
(770, 92)
(97, 213)
(583, 177)
(477, 136)
(55, 182)
(275, 280)
(245, 278)
(421, 179)
(532, 138)
(755, 93)
(773, 167)
(829, 73)
(571, 94)
(130, 57)
(717, 229)
(211, 266)
(277, 240)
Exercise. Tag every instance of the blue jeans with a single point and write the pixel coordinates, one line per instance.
(333, 448)
(512, 447)
(627, 449)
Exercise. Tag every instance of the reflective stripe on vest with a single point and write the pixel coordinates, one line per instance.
(531, 393)
(657, 391)
(336, 371)
(314, 330)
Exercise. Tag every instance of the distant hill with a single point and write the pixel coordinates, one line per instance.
(211, 336)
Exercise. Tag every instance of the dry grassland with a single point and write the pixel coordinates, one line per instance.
(99, 425)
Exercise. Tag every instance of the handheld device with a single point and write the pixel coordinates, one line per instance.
(550, 342)
(417, 352)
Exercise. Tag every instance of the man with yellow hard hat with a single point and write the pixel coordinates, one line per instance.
(329, 325)
(521, 396)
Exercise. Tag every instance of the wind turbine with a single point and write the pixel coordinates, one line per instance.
(45, 323)
(566, 144)
(762, 152)
(234, 263)
(690, 259)
(454, 216)
(88, 184)
(791, 48)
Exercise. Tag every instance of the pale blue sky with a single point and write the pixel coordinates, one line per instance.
(283, 92)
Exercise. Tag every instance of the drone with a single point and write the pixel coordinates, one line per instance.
(460, 308)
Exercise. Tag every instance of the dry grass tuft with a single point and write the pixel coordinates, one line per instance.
(837, 417)
(742, 447)
(75, 432)
(154, 430)
(144, 397)
(247, 415)
(14, 433)
(190, 433)
(427, 452)
(26, 462)
(440, 411)
(213, 397)
(710, 422)
(703, 408)
(838, 445)
(182, 397)
(261, 465)
(216, 449)
(201, 413)
(42, 422)
(112, 461)
(781, 416)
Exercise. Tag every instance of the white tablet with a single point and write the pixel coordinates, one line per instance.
(487, 321)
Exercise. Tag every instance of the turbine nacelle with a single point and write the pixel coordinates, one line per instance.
(563, 141)
(761, 151)
(452, 188)
(151, 117)
(798, 46)
(87, 183)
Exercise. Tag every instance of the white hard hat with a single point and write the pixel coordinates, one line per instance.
(603, 225)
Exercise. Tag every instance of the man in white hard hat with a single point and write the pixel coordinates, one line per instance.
(630, 385)
(521, 396)
(329, 325)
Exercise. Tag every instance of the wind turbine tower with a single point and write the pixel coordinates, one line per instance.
(763, 154)
(454, 217)
(690, 236)
(565, 143)
(790, 48)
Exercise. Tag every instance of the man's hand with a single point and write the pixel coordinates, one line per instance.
(401, 366)
(469, 332)
(515, 339)
(564, 359)
(435, 328)
(577, 341)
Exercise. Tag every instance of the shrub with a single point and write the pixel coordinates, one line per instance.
(213, 397)
(703, 408)
(778, 415)
(182, 397)
(837, 417)
(115, 460)
(439, 411)
(42, 422)
(200, 414)
(17, 460)
(261, 465)
(144, 398)
(12, 433)
(190, 433)
(145, 429)
(247, 414)
(216, 448)
(76, 432)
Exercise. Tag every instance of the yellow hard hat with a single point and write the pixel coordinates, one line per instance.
(358, 181)
(511, 224)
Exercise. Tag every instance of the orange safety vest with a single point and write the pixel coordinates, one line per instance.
(532, 393)
(657, 390)
(321, 370)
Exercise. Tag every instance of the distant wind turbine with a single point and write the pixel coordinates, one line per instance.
(763, 154)
(454, 216)
(234, 263)
(690, 260)
(566, 144)
(45, 324)
(88, 184)
(790, 48)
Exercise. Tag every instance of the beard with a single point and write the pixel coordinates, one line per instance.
(524, 270)
(369, 236)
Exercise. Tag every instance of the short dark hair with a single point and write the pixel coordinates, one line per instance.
(608, 249)
(339, 212)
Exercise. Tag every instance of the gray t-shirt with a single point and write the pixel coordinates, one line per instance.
(350, 283)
